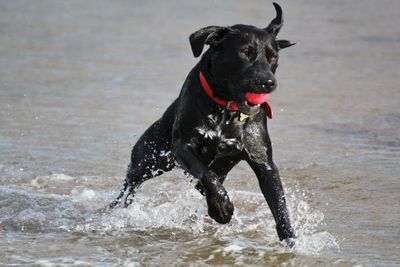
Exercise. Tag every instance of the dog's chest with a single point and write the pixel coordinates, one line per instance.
(223, 133)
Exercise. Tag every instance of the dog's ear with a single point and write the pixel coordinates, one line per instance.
(211, 35)
(276, 24)
(284, 44)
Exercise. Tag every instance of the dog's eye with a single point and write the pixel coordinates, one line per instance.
(273, 59)
(248, 52)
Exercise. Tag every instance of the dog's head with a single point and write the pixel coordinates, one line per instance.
(242, 59)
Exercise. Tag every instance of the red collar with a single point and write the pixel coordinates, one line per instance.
(230, 104)
(210, 92)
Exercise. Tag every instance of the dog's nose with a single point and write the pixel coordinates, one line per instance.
(270, 83)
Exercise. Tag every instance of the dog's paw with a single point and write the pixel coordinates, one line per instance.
(220, 208)
(286, 233)
(113, 204)
(290, 242)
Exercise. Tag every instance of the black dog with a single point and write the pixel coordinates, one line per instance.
(218, 120)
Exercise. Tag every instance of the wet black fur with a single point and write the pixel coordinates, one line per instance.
(206, 139)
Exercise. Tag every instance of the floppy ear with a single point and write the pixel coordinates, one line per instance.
(211, 35)
(284, 43)
(276, 24)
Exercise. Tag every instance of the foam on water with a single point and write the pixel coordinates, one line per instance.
(160, 208)
(71, 204)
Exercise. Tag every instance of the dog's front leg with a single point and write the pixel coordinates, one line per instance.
(271, 187)
(220, 208)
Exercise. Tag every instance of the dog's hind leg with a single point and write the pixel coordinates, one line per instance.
(151, 156)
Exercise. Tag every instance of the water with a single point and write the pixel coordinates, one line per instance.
(81, 80)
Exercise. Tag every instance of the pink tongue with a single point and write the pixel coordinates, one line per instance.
(257, 99)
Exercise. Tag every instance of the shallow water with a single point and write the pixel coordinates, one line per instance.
(81, 80)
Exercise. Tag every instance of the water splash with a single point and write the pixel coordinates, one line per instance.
(308, 223)
(167, 204)
(153, 209)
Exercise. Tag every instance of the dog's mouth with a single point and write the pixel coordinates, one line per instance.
(252, 103)
(248, 108)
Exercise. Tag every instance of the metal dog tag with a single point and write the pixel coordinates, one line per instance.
(243, 116)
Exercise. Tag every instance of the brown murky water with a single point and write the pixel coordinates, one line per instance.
(81, 80)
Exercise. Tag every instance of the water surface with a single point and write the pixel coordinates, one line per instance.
(81, 80)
